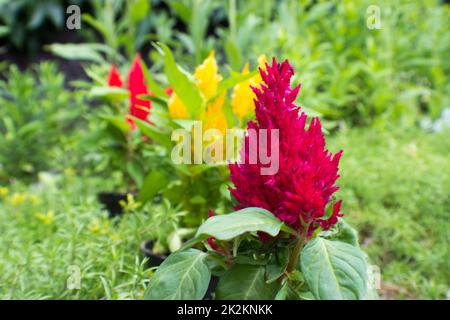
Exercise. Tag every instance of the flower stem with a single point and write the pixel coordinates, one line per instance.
(293, 259)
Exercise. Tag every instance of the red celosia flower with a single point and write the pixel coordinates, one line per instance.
(137, 86)
(114, 79)
(304, 184)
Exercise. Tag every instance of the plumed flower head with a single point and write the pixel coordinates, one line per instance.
(242, 97)
(207, 80)
(114, 79)
(300, 192)
(137, 86)
(207, 76)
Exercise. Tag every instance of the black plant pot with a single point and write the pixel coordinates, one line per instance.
(111, 202)
(154, 260)
(211, 288)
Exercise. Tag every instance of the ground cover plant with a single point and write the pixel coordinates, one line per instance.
(371, 222)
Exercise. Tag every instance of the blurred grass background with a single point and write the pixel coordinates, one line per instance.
(382, 95)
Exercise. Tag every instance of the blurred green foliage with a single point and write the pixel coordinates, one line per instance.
(348, 71)
(38, 115)
(372, 86)
(396, 194)
(22, 20)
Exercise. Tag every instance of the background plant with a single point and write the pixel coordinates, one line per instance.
(37, 113)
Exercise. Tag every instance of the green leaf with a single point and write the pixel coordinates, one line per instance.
(138, 10)
(282, 294)
(80, 51)
(117, 122)
(245, 282)
(277, 264)
(234, 79)
(334, 270)
(181, 10)
(182, 85)
(229, 226)
(184, 275)
(112, 93)
(4, 30)
(234, 56)
(346, 233)
(153, 183)
(134, 169)
(153, 133)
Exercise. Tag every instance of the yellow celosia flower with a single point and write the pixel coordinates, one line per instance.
(18, 198)
(177, 109)
(4, 191)
(47, 218)
(214, 116)
(242, 97)
(207, 80)
(207, 77)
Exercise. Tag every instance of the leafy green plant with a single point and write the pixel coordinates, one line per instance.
(22, 20)
(302, 249)
(37, 113)
(55, 228)
(398, 199)
(124, 27)
(344, 62)
(200, 187)
(249, 268)
(196, 15)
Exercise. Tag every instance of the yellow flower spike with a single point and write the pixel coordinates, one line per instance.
(207, 77)
(4, 191)
(177, 109)
(214, 116)
(242, 97)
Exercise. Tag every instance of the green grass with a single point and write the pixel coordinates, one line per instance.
(36, 252)
(395, 190)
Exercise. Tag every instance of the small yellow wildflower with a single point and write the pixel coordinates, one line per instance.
(99, 228)
(4, 191)
(207, 80)
(18, 198)
(130, 204)
(207, 76)
(47, 218)
(114, 237)
(242, 97)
